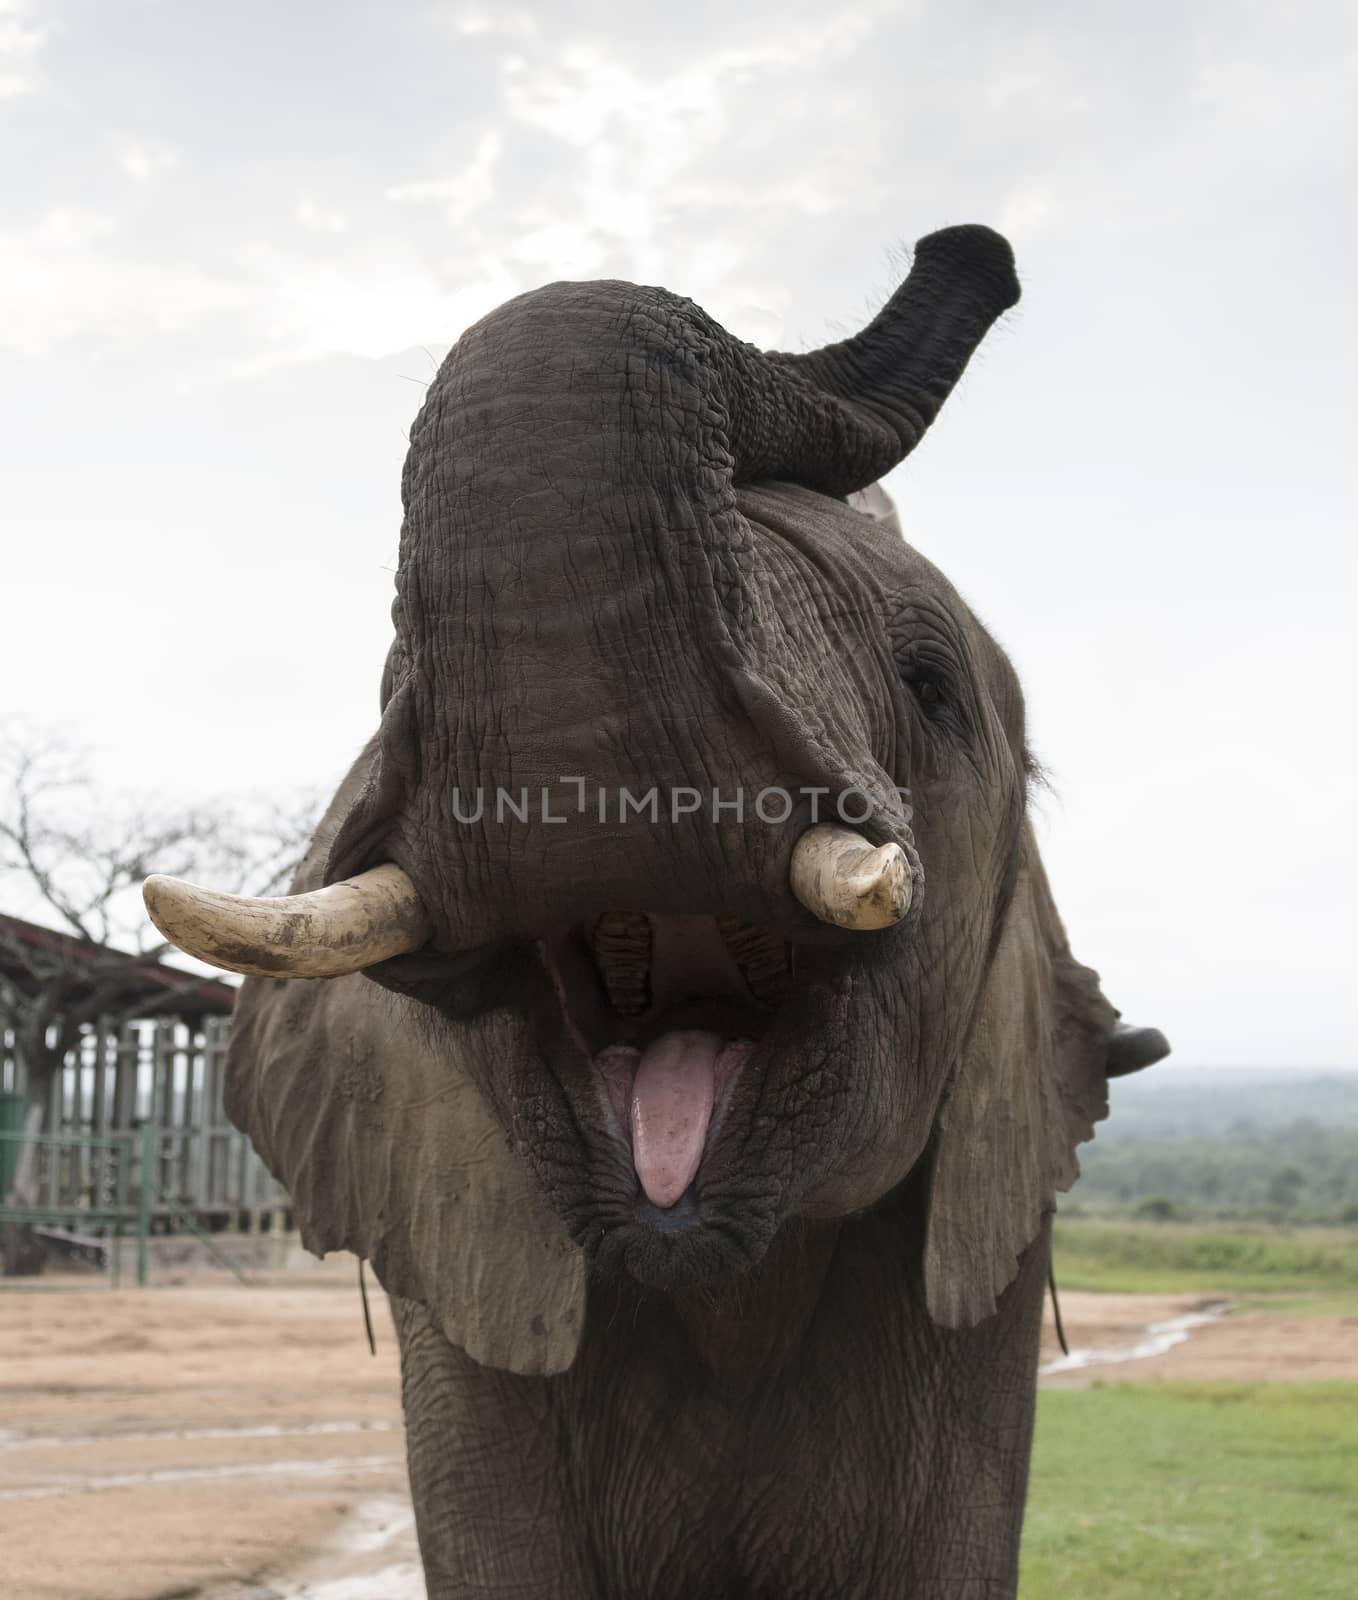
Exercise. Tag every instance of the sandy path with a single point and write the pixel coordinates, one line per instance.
(241, 1444)
(154, 1444)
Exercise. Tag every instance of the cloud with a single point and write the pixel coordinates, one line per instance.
(319, 218)
(144, 162)
(1027, 209)
(369, 304)
(588, 94)
(474, 22)
(20, 43)
(590, 162)
(73, 225)
(72, 286)
(260, 305)
(466, 191)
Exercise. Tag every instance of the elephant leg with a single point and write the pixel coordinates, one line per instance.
(485, 1474)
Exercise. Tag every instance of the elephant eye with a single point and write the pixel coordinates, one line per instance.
(927, 674)
(931, 693)
(925, 681)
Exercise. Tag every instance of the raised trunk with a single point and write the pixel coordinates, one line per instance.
(577, 603)
(579, 627)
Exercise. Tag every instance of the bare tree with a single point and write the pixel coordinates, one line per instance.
(73, 861)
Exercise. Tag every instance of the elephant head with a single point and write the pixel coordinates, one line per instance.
(626, 948)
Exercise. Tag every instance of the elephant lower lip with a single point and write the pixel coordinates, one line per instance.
(679, 1217)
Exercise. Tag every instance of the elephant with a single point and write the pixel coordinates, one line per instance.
(706, 1147)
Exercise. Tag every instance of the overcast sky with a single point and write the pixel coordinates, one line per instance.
(237, 238)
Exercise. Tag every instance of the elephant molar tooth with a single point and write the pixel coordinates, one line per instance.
(761, 956)
(621, 945)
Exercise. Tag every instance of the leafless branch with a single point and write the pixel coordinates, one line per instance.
(72, 860)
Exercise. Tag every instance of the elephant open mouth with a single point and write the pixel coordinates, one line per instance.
(667, 1010)
(670, 1036)
(649, 1050)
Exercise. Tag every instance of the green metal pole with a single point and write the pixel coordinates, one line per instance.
(122, 1151)
(144, 1197)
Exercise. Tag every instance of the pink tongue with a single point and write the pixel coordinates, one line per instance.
(671, 1107)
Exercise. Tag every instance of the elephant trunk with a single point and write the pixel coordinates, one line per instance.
(572, 591)
(577, 593)
(577, 597)
(839, 418)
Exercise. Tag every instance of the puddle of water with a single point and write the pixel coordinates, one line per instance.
(375, 1525)
(403, 1582)
(1158, 1337)
(372, 1556)
(76, 1483)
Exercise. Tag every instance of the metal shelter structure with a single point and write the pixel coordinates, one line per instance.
(132, 1134)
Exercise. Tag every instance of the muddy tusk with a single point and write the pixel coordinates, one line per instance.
(323, 934)
(841, 878)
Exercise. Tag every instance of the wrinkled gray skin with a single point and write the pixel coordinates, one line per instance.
(627, 556)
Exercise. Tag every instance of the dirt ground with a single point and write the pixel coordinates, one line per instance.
(227, 1443)
(1121, 1334)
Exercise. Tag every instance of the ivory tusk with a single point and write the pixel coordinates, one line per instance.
(326, 933)
(841, 878)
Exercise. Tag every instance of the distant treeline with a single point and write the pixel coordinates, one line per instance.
(1271, 1146)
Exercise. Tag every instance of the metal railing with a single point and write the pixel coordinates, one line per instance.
(171, 1074)
(106, 1182)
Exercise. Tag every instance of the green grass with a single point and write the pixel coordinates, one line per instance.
(1315, 1303)
(1177, 1257)
(1194, 1492)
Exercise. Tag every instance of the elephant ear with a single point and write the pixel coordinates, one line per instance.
(388, 1149)
(876, 503)
(1031, 1083)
